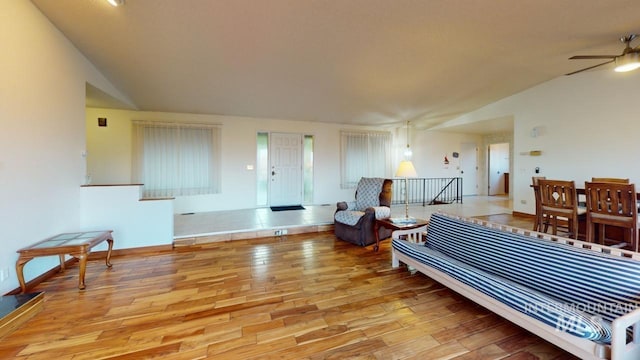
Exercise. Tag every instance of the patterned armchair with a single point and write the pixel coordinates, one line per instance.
(354, 221)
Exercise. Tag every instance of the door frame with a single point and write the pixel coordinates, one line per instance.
(504, 168)
(273, 171)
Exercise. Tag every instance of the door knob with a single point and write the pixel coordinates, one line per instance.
(273, 173)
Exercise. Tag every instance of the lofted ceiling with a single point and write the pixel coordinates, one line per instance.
(374, 62)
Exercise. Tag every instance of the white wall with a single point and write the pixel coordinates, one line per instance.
(588, 126)
(43, 134)
(134, 223)
(109, 155)
(430, 148)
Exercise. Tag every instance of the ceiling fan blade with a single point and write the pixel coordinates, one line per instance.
(590, 67)
(579, 57)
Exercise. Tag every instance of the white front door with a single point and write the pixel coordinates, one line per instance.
(285, 169)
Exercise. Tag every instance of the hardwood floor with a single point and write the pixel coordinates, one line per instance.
(307, 296)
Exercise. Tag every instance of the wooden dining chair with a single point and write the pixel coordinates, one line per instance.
(537, 225)
(609, 180)
(612, 204)
(559, 201)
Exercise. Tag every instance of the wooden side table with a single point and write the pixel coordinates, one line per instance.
(387, 223)
(77, 245)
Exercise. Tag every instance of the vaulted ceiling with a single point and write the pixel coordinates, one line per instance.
(370, 62)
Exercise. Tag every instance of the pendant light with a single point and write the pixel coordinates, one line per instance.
(407, 152)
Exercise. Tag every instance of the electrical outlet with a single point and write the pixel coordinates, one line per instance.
(278, 233)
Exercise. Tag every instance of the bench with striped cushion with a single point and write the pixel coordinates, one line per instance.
(571, 289)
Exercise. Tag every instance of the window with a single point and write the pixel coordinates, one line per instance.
(363, 154)
(176, 159)
(262, 169)
(308, 169)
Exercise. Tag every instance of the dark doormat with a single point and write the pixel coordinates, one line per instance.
(285, 208)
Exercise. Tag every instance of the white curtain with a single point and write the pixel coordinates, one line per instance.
(176, 159)
(364, 154)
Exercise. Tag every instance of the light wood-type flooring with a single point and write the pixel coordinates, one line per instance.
(306, 296)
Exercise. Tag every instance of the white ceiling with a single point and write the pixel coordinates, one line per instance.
(342, 61)
(488, 126)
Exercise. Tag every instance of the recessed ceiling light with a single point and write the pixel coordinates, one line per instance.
(116, 2)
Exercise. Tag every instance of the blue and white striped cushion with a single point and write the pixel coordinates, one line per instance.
(600, 284)
(530, 302)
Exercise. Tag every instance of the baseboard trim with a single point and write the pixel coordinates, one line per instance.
(44, 276)
(524, 215)
(250, 234)
(145, 250)
(19, 316)
(98, 255)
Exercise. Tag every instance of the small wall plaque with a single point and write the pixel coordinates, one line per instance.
(102, 122)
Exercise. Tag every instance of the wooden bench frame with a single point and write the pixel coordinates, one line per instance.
(583, 348)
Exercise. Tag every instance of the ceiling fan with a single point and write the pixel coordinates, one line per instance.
(627, 61)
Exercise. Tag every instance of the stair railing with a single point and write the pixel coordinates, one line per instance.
(428, 191)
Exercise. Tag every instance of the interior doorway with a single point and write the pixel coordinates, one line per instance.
(498, 182)
(469, 168)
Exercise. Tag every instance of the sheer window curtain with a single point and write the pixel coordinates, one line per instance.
(364, 154)
(176, 159)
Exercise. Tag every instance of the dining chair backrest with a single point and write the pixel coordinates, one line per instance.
(534, 180)
(609, 180)
(558, 194)
(537, 226)
(612, 204)
(559, 199)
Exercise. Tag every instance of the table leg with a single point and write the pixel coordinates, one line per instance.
(83, 269)
(19, 267)
(376, 229)
(108, 261)
(62, 268)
